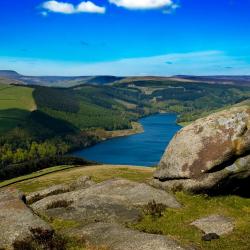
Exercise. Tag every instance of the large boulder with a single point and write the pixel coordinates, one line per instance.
(210, 154)
(114, 200)
(18, 224)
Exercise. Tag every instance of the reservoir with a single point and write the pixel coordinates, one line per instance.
(145, 149)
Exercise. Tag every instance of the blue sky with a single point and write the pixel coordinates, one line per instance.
(125, 37)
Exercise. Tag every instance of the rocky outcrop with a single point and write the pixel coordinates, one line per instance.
(18, 224)
(114, 200)
(211, 154)
(115, 237)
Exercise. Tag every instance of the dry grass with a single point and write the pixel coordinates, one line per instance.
(98, 172)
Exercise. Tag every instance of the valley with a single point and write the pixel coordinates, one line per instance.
(67, 202)
(41, 123)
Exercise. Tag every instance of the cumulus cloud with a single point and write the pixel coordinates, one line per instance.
(68, 8)
(90, 7)
(143, 4)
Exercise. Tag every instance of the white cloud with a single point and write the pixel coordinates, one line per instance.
(143, 4)
(68, 8)
(60, 7)
(90, 7)
(195, 63)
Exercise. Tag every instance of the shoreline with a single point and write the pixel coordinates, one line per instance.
(104, 135)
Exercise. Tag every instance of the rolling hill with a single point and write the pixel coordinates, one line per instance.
(70, 81)
(40, 122)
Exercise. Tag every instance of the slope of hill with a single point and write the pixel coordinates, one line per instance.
(15, 104)
(39, 122)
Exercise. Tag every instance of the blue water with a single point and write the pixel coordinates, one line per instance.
(143, 149)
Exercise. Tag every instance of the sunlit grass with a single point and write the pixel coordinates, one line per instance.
(67, 174)
(176, 222)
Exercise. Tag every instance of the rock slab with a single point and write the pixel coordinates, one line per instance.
(116, 237)
(114, 200)
(81, 183)
(216, 224)
(17, 220)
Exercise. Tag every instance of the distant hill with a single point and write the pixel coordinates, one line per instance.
(71, 81)
(9, 73)
(57, 81)
(231, 80)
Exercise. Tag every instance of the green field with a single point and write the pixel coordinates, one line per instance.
(16, 97)
(15, 104)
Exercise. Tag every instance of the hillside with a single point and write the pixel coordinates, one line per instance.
(39, 122)
(87, 206)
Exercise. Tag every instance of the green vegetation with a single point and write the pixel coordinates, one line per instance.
(190, 100)
(41, 122)
(176, 222)
(16, 97)
(15, 104)
(67, 174)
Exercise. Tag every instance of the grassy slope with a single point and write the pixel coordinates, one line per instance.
(113, 107)
(175, 222)
(190, 100)
(85, 107)
(67, 174)
(16, 102)
(16, 97)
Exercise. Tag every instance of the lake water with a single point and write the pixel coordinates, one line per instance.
(143, 149)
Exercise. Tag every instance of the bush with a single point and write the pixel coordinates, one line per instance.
(42, 239)
(154, 209)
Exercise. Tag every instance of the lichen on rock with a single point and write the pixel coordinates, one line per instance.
(208, 153)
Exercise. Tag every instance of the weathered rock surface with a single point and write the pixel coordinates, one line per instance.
(53, 190)
(214, 224)
(81, 183)
(116, 237)
(110, 201)
(17, 220)
(211, 153)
